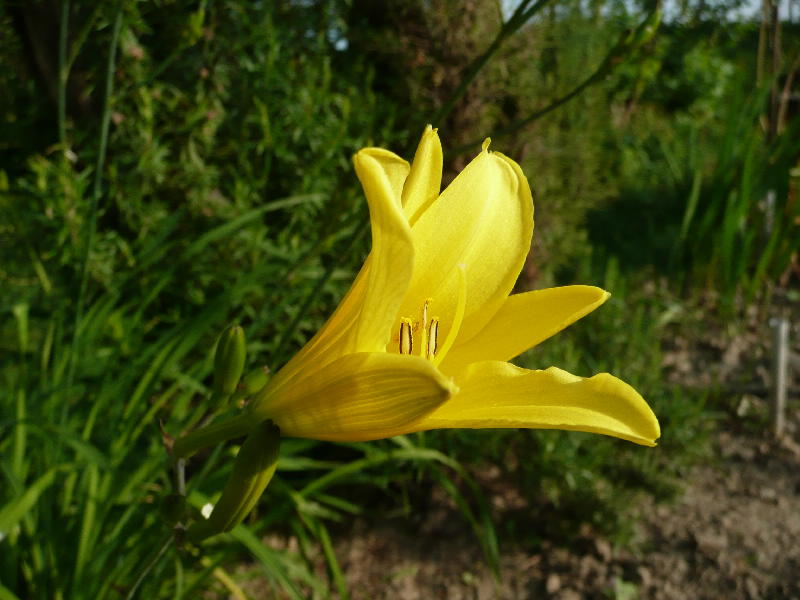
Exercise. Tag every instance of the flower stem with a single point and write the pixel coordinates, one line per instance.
(520, 16)
(215, 433)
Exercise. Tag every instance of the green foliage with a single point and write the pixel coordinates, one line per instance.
(706, 197)
(211, 208)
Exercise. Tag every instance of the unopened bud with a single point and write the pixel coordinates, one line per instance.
(255, 380)
(254, 467)
(251, 384)
(229, 361)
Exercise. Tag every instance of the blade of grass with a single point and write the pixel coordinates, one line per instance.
(5, 594)
(88, 530)
(14, 511)
(330, 557)
(235, 591)
(20, 437)
(91, 225)
(271, 561)
(148, 566)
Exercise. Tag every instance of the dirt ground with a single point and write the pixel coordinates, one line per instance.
(735, 533)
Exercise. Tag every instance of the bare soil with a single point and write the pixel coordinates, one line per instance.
(735, 533)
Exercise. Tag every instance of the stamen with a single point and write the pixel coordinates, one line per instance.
(428, 334)
(433, 338)
(406, 336)
(423, 346)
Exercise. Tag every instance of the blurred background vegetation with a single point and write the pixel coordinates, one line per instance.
(169, 167)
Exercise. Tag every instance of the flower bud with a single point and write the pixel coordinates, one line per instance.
(251, 384)
(255, 380)
(254, 467)
(229, 361)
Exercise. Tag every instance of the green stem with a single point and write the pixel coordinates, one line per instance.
(520, 16)
(614, 58)
(63, 74)
(91, 225)
(180, 476)
(147, 567)
(216, 433)
(79, 39)
(537, 114)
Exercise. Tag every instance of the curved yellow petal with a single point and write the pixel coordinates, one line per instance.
(363, 320)
(495, 394)
(392, 256)
(394, 168)
(522, 322)
(425, 179)
(483, 220)
(362, 396)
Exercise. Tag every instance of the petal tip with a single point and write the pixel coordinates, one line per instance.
(602, 296)
(431, 136)
(639, 422)
(379, 154)
(362, 157)
(450, 387)
(485, 145)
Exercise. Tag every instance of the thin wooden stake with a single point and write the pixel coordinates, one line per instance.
(780, 363)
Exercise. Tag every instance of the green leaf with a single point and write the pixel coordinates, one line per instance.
(6, 594)
(14, 511)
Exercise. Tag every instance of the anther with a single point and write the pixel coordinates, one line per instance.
(433, 338)
(406, 337)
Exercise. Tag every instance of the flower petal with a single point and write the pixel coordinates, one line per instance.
(425, 179)
(363, 321)
(392, 255)
(363, 396)
(484, 220)
(395, 169)
(495, 394)
(522, 322)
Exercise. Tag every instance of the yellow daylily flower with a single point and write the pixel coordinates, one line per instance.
(422, 338)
